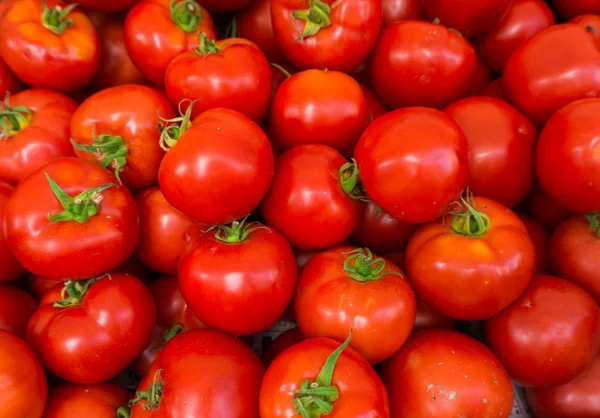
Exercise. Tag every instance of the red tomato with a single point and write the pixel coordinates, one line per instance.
(4, 6)
(24, 388)
(60, 203)
(311, 106)
(567, 156)
(34, 126)
(502, 143)
(473, 262)
(221, 6)
(540, 238)
(326, 34)
(11, 269)
(572, 8)
(413, 163)
(91, 401)
(375, 105)
(107, 6)
(220, 168)
(280, 344)
(577, 399)
(589, 22)
(254, 23)
(549, 336)
(134, 267)
(354, 387)
(496, 90)
(328, 210)
(89, 331)
(442, 373)
(9, 83)
(394, 10)
(48, 45)
(525, 18)
(218, 374)
(16, 307)
(545, 209)
(422, 64)
(539, 80)
(428, 318)
(38, 286)
(480, 80)
(280, 73)
(232, 73)
(156, 31)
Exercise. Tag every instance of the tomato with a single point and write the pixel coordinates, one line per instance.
(48, 45)
(11, 269)
(496, 90)
(578, 398)
(375, 105)
(218, 374)
(545, 209)
(326, 34)
(221, 6)
(589, 22)
(89, 331)
(310, 106)
(220, 168)
(280, 73)
(106, 6)
(38, 286)
(540, 238)
(480, 80)
(413, 163)
(56, 206)
(502, 143)
(428, 318)
(24, 388)
(380, 232)
(351, 386)
(394, 10)
(572, 8)
(134, 267)
(473, 262)
(91, 401)
(525, 18)
(442, 373)
(4, 6)
(254, 23)
(284, 341)
(9, 83)
(16, 307)
(549, 336)
(156, 31)
(539, 80)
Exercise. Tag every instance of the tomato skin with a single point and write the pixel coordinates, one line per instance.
(375, 105)
(502, 143)
(11, 269)
(545, 209)
(284, 341)
(106, 6)
(496, 90)
(540, 238)
(343, 46)
(153, 46)
(589, 21)
(361, 392)
(428, 318)
(572, 8)
(394, 10)
(51, 249)
(4, 6)
(92, 401)
(562, 328)
(9, 83)
(482, 77)
(38, 286)
(16, 307)
(254, 22)
(221, 6)
(409, 191)
(442, 373)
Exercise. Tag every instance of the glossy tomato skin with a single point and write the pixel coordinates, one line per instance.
(311, 106)
(502, 143)
(467, 277)
(221, 6)
(391, 156)
(361, 392)
(469, 17)
(394, 10)
(4, 6)
(545, 209)
(539, 81)
(92, 401)
(343, 46)
(572, 8)
(284, 341)
(154, 39)
(540, 238)
(254, 22)
(106, 6)
(589, 22)
(11, 268)
(24, 387)
(375, 105)
(38, 286)
(421, 64)
(54, 249)
(16, 307)
(442, 373)
(220, 168)
(482, 77)
(9, 83)
(43, 59)
(549, 336)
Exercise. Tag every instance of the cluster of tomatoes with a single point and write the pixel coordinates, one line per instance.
(178, 176)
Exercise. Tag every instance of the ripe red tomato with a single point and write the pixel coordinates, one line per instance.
(284, 341)
(540, 238)
(413, 163)
(221, 6)
(11, 269)
(549, 336)
(480, 80)
(9, 83)
(496, 90)
(545, 209)
(312, 105)
(254, 22)
(326, 34)
(57, 205)
(442, 373)
(87, 332)
(16, 307)
(4, 6)
(572, 8)
(91, 401)
(473, 262)
(348, 385)
(428, 318)
(156, 31)
(107, 6)
(375, 105)
(218, 374)
(220, 168)
(38, 286)
(539, 80)
(502, 143)
(589, 22)
(394, 10)
(24, 388)
(280, 73)
(421, 64)
(48, 45)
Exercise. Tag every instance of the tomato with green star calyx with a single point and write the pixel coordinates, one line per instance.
(49, 44)
(89, 331)
(326, 34)
(11, 268)
(102, 400)
(16, 307)
(70, 219)
(254, 22)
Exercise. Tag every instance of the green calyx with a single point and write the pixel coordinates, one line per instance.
(109, 150)
(314, 399)
(13, 119)
(316, 18)
(124, 412)
(79, 208)
(206, 47)
(186, 14)
(151, 397)
(362, 267)
(350, 181)
(467, 220)
(237, 232)
(594, 220)
(73, 292)
(57, 19)
(172, 129)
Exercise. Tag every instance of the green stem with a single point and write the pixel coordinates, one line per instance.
(316, 18)
(13, 119)
(232, 29)
(170, 333)
(57, 19)
(153, 395)
(594, 220)
(467, 220)
(206, 47)
(186, 14)
(283, 70)
(362, 267)
(110, 150)
(124, 412)
(73, 292)
(350, 181)
(172, 129)
(237, 232)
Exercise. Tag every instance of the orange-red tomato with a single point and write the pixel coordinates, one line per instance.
(91, 401)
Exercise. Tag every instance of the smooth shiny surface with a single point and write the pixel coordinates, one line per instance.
(16, 307)
(394, 10)
(11, 269)
(9, 83)
(89, 401)
(255, 23)
(589, 22)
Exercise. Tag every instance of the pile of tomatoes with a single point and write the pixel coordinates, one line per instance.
(179, 177)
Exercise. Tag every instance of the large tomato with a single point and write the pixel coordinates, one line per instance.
(549, 336)
(441, 373)
(89, 331)
(469, 17)
(544, 208)
(221, 6)
(572, 8)
(11, 269)
(502, 143)
(69, 219)
(422, 64)
(473, 262)
(540, 238)
(255, 23)
(16, 307)
(9, 83)
(413, 163)
(106, 6)
(90, 401)
(48, 45)
(394, 10)
(326, 34)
